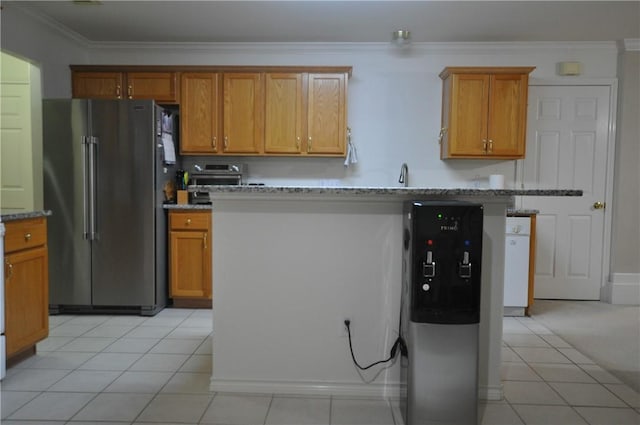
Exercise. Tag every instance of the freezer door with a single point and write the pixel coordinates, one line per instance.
(65, 127)
(123, 251)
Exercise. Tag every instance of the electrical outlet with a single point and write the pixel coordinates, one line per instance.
(343, 327)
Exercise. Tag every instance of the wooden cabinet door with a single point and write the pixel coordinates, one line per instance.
(284, 113)
(507, 115)
(199, 113)
(159, 86)
(468, 112)
(98, 85)
(190, 264)
(243, 112)
(27, 298)
(326, 114)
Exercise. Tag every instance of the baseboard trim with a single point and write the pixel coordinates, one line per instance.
(492, 393)
(622, 288)
(326, 389)
(390, 391)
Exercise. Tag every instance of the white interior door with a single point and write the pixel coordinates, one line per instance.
(567, 146)
(16, 176)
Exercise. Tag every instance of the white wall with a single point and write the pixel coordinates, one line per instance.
(394, 102)
(48, 47)
(626, 250)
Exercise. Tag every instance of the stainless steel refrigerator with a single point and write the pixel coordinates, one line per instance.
(104, 172)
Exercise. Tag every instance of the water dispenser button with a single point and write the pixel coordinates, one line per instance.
(429, 269)
(465, 270)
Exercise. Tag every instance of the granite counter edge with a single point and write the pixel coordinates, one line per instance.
(381, 191)
(24, 215)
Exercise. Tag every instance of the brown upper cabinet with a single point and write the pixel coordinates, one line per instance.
(243, 113)
(284, 115)
(306, 114)
(102, 84)
(484, 112)
(327, 115)
(221, 113)
(237, 110)
(200, 113)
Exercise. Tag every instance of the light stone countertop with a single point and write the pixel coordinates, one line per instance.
(187, 206)
(521, 212)
(24, 215)
(402, 192)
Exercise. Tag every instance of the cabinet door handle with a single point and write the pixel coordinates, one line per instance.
(298, 143)
(443, 131)
(27, 237)
(130, 91)
(9, 268)
(309, 144)
(214, 142)
(226, 142)
(188, 221)
(118, 91)
(204, 239)
(484, 145)
(490, 145)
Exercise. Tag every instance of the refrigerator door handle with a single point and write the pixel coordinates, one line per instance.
(93, 142)
(84, 141)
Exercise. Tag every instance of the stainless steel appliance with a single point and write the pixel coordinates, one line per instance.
(440, 312)
(104, 172)
(215, 174)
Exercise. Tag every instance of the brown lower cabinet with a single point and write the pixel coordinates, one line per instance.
(26, 268)
(190, 258)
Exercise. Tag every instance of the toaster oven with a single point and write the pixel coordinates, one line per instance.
(214, 175)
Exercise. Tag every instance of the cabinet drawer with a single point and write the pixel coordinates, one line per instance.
(23, 234)
(183, 220)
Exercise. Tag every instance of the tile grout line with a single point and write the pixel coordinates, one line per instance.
(572, 362)
(579, 366)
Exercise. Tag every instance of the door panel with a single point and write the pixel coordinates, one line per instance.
(469, 112)
(123, 251)
(580, 237)
(243, 113)
(65, 123)
(326, 119)
(506, 114)
(283, 113)
(567, 147)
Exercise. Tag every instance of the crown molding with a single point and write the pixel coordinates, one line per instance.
(311, 47)
(53, 24)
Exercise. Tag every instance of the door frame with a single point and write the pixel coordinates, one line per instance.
(612, 83)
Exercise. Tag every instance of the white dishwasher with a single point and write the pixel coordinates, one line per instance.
(516, 265)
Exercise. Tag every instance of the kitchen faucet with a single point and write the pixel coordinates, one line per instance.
(404, 174)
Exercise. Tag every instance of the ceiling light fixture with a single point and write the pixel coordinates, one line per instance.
(401, 37)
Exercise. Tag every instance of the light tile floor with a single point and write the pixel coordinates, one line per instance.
(117, 370)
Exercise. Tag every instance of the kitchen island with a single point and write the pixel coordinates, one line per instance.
(291, 263)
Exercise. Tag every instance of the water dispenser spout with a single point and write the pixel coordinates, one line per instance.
(404, 174)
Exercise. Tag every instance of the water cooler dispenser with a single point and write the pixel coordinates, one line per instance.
(440, 312)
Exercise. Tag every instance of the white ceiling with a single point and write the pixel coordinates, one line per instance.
(341, 21)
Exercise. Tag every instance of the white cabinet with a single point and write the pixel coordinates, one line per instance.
(516, 265)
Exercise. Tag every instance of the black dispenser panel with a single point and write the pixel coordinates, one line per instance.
(443, 243)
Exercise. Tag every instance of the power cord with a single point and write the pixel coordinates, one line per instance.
(399, 343)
